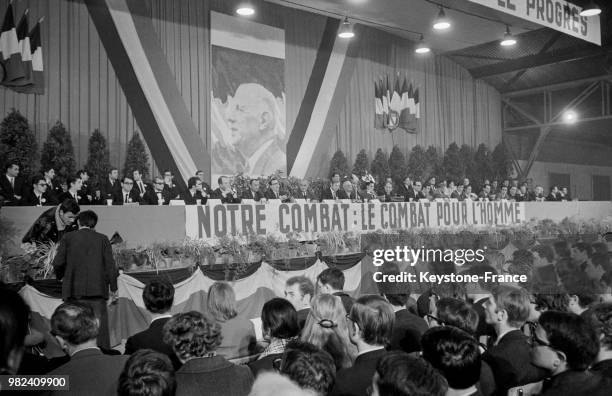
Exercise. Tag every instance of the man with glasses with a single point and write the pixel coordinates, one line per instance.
(225, 192)
(39, 195)
(507, 310)
(157, 195)
(111, 186)
(127, 195)
(418, 190)
(275, 193)
(169, 184)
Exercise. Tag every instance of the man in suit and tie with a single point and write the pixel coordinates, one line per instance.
(406, 190)
(194, 192)
(84, 262)
(39, 195)
(86, 188)
(303, 192)
(75, 185)
(347, 191)
(275, 193)
(110, 186)
(75, 326)
(253, 191)
(12, 187)
(369, 193)
(225, 192)
(158, 195)
(331, 192)
(299, 290)
(205, 186)
(127, 194)
(370, 324)
(158, 296)
(53, 188)
(170, 186)
(140, 186)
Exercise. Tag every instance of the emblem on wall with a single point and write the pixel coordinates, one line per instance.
(397, 105)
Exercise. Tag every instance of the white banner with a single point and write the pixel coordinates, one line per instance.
(215, 221)
(555, 14)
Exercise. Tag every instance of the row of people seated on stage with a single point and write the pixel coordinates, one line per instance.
(317, 340)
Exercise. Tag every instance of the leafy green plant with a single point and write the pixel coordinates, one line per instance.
(98, 160)
(136, 157)
(58, 152)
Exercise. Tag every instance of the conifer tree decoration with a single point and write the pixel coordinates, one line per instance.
(397, 165)
(483, 164)
(339, 164)
(362, 163)
(136, 157)
(58, 152)
(380, 166)
(452, 163)
(434, 163)
(502, 165)
(466, 157)
(18, 143)
(417, 163)
(98, 162)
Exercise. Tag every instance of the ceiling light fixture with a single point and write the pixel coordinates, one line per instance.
(570, 117)
(422, 47)
(508, 40)
(346, 31)
(441, 22)
(245, 8)
(591, 9)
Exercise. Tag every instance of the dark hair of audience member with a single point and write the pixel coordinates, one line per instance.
(375, 317)
(584, 247)
(545, 251)
(400, 374)
(87, 218)
(192, 181)
(70, 205)
(279, 319)
(332, 277)
(71, 180)
(600, 318)
(147, 373)
(221, 301)
(306, 286)
(397, 293)
(561, 249)
(192, 335)
(14, 315)
(454, 353)
(37, 178)
(309, 366)
(572, 335)
(551, 302)
(9, 164)
(158, 296)
(585, 296)
(457, 313)
(76, 323)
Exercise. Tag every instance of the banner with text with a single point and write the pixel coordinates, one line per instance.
(215, 221)
(555, 14)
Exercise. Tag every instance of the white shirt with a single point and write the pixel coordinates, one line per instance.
(376, 348)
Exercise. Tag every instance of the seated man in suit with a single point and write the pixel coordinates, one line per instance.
(86, 187)
(253, 191)
(225, 192)
(406, 190)
(458, 193)
(418, 190)
(53, 223)
(510, 357)
(140, 186)
(331, 192)
(387, 193)
(299, 290)
(39, 195)
(170, 186)
(110, 186)
(12, 187)
(205, 186)
(331, 281)
(91, 372)
(194, 192)
(74, 191)
(127, 194)
(369, 193)
(158, 195)
(158, 296)
(347, 191)
(370, 326)
(275, 193)
(52, 187)
(304, 193)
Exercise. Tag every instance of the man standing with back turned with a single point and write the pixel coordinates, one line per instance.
(85, 262)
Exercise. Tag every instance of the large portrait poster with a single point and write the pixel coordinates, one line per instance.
(248, 97)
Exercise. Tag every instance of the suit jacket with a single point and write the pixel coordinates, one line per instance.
(327, 194)
(302, 315)
(406, 192)
(150, 197)
(407, 331)
(152, 338)
(172, 190)
(81, 199)
(118, 197)
(603, 367)
(91, 373)
(192, 200)
(266, 363)
(269, 194)
(229, 198)
(30, 199)
(248, 194)
(239, 338)
(344, 195)
(108, 190)
(368, 196)
(347, 301)
(213, 376)
(355, 380)
(85, 261)
(139, 190)
(45, 229)
(510, 361)
(8, 192)
(577, 382)
(308, 195)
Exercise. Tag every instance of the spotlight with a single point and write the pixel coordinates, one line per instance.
(441, 22)
(422, 47)
(570, 117)
(245, 8)
(591, 9)
(508, 40)
(346, 31)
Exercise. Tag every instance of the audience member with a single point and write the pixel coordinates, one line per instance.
(327, 328)
(371, 324)
(600, 319)
(253, 191)
(387, 193)
(193, 194)
(456, 355)
(14, 316)
(169, 185)
(111, 186)
(39, 196)
(331, 281)
(140, 187)
(347, 191)
(299, 290)
(85, 264)
(279, 326)
(400, 374)
(310, 367)
(12, 187)
(238, 332)
(274, 191)
(331, 193)
(205, 186)
(91, 372)
(369, 193)
(147, 373)
(53, 223)
(127, 195)
(75, 184)
(158, 195)
(225, 192)
(195, 338)
(49, 174)
(304, 193)
(158, 296)
(565, 346)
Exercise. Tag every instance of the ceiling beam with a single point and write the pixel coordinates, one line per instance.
(556, 87)
(530, 61)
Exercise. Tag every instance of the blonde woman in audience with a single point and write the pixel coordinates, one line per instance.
(326, 328)
(238, 332)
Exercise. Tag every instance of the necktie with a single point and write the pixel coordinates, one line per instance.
(40, 199)
(141, 187)
(334, 194)
(12, 180)
(126, 198)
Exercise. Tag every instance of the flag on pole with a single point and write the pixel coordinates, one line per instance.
(417, 104)
(385, 101)
(26, 53)
(407, 118)
(378, 103)
(37, 85)
(9, 47)
(411, 104)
